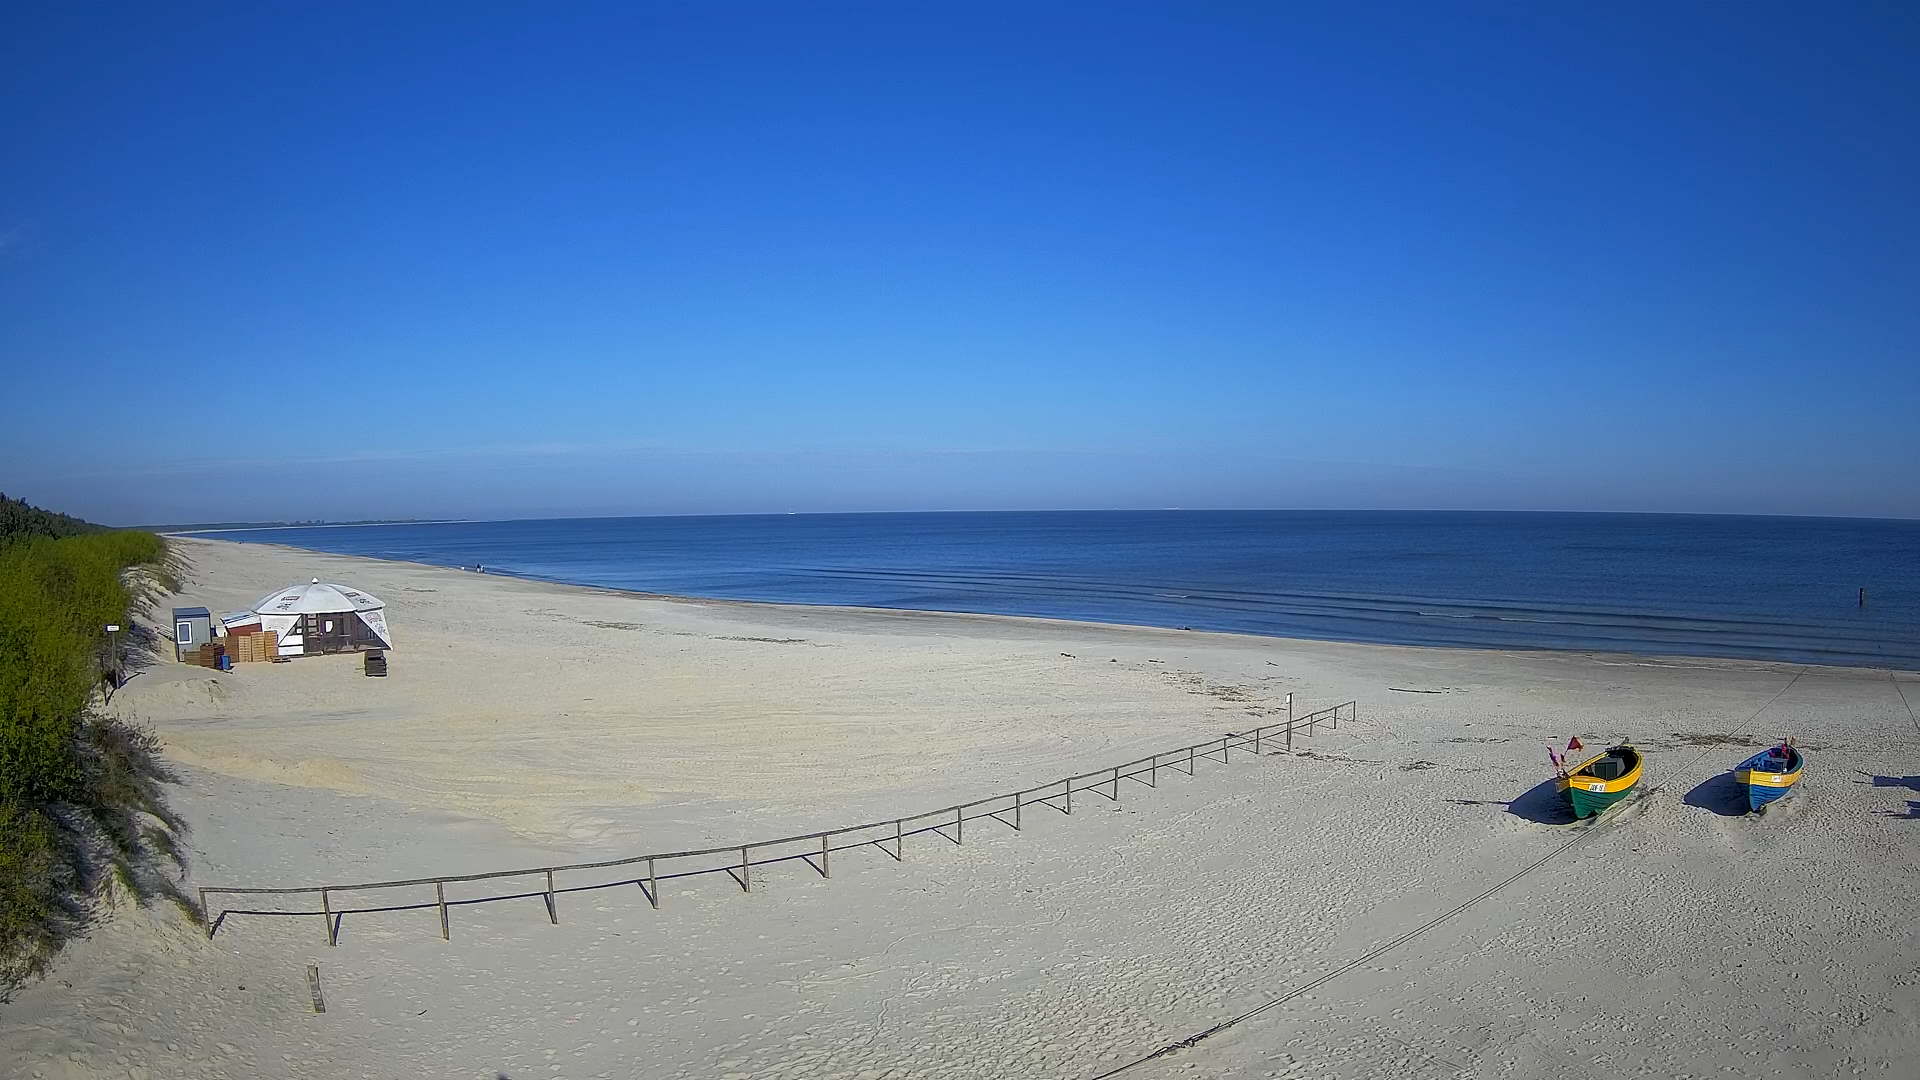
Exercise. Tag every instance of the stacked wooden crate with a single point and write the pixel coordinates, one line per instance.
(254, 648)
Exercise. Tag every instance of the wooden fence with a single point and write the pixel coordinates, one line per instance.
(815, 849)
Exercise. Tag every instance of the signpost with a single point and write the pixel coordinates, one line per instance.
(113, 656)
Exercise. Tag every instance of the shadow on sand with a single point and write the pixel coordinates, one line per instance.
(1542, 804)
(1911, 783)
(1720, 793)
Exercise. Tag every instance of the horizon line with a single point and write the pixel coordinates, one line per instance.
(194, 529)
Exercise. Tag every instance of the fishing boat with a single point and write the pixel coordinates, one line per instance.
(1601, 780)
(1769, 774)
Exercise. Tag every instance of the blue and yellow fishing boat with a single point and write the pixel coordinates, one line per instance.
(1601, 780)
(1769, 774)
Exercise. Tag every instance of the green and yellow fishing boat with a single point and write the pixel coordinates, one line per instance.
(1601, 780)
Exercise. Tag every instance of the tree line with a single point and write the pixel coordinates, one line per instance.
(21, 520)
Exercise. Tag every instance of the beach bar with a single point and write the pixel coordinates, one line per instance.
(317, 618)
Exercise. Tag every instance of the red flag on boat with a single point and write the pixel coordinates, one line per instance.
(1573, 744)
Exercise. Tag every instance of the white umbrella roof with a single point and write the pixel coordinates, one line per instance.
(316, 599)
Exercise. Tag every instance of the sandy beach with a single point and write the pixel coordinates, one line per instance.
(525, 722)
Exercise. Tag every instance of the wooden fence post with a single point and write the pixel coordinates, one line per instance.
(1153, 772)
(1189, 761)
(823, 858)
(959, 824)
(553, 911)
(440, 896)
(899, 842)
(1256, 741)
(1016, 811)
(746, 870)
(1068, 784)
(1116, 783)
(653, 885)
(326, 912)
(206, 913)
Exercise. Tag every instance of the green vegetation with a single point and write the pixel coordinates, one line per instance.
(20, 520)
(82, 810)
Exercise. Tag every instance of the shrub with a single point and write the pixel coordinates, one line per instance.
(81, 800)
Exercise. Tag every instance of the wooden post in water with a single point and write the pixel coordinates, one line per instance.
(440, 897)
(326, 912)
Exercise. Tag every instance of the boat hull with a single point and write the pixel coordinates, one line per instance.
(1588, 803)
(1768, 780)
(1591, 794)
(1758, 797)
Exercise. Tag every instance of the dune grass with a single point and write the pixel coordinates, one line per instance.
(82, 802)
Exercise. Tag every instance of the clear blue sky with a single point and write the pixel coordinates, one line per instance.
(266, 261)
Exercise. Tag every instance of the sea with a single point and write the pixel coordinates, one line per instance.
(1805, 590)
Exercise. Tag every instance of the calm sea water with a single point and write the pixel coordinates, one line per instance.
(1761, 588)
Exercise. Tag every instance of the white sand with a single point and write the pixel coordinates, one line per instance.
(526, 722)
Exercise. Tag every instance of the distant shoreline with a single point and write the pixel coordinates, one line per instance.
(199, 530)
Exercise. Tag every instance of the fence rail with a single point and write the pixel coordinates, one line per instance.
(814, 848)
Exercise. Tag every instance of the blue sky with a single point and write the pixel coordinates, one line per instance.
(265, 261)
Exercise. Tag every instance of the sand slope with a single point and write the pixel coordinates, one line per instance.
(1070, 947)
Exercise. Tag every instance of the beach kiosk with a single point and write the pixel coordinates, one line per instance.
(192, 628)
(321, 618)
